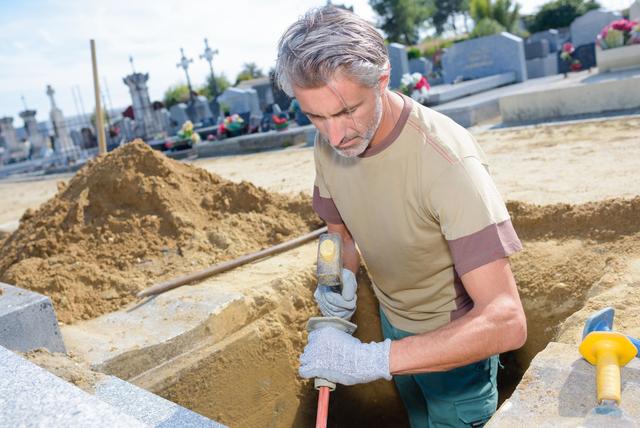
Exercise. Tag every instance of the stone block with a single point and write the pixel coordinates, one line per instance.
(585, 28)
(399, 63)
(32, 397)
(541, 67)
(559, 390)
(28, 321)
(539, 49)
(485, 56)
(551, 36)
(147, 407)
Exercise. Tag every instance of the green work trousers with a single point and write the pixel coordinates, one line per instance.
(462, 397)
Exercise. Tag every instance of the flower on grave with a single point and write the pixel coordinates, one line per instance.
(232, 123)
(567, 52)
(619, 33)
(416, 86)
(186, 132)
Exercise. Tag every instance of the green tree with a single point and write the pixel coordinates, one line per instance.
(445, 11)
(222, 83)
(178, 93)
(401, 20)
(249, 71)
(559, 14)
(504, 12)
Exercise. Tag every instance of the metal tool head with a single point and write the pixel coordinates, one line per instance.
(329, 267)
(600, 321)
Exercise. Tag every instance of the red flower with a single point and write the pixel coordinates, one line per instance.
(568, 48)
(423, 83)
(576, 66)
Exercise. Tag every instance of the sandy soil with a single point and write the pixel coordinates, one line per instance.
(578, 257)
(589, 161)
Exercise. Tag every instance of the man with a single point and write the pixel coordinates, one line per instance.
(411, 188)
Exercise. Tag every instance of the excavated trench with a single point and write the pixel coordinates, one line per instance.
(247, 376)
(570, 253)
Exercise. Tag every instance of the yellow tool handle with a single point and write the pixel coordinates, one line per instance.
(607, 375)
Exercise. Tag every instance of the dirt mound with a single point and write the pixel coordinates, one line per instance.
(133, 217)
(602, 220)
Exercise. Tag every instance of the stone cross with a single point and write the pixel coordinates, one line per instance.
(184, 64)
(207, 55)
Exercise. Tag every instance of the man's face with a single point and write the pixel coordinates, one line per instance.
(346, 113)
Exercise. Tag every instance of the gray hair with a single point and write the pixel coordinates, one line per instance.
(325, 41)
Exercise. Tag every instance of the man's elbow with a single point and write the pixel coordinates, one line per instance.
(516, 328)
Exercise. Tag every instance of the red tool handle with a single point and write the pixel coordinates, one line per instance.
(323, 407)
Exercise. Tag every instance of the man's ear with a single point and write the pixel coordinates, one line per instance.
(383, 80)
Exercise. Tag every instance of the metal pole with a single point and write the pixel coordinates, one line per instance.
(102, 145)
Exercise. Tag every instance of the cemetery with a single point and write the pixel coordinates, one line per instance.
(85, 234)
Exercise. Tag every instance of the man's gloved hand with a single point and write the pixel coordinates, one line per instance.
(341, 358)
(334, 304)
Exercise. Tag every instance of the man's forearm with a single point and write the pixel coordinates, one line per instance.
(473, 337)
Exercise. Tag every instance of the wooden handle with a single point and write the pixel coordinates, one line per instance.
(230, 264)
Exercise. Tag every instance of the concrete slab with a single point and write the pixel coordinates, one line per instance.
(559, 390)
(253, 143)
(130, 341)
(30, 396)
(28, 321)
(443, 93)
(147, 407)
(473, 109)
(583, 94)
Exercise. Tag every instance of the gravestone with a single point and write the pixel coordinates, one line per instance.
(485, 56)
(76, 137)
(37, 140)
(586, 54)
(420, 65)
(63, 144)
(145, 123)
(551, 36)
(540, 62)
(539, 49)
(263, 87)
(585, 28)
(178, 114)
(241, 101)
(200, 112)
(399, 63)
(634, 11)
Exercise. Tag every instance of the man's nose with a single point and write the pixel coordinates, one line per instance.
(335, 131)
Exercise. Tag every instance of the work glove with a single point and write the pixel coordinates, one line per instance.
(338, 357)
(341, 305)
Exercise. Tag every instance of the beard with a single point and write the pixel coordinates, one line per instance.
(366, 136)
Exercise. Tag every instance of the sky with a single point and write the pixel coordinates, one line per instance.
(46, 42)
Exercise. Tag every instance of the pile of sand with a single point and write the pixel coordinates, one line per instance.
(134, 216)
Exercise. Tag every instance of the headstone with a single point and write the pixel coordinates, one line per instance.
(399, 63)
(38, 142)
(263, 87)
(8, 134)
(485, 56)
(420, 65)
(146, 125)
(585, 28)
(201, 111)
(539, 49)
(586, 54)
(28, 321)
(551, 36)
(542, 67)
(634, 11)
(236, 99)
(163, 117)
(63, 146)
(76, 137)
(215, 109)
(178, 114)
(254, 102)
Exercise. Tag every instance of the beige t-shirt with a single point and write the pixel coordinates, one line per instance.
(423, 211)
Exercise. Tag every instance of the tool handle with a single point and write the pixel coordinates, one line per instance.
(607, 375)
(323, 407)
(319, 383)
